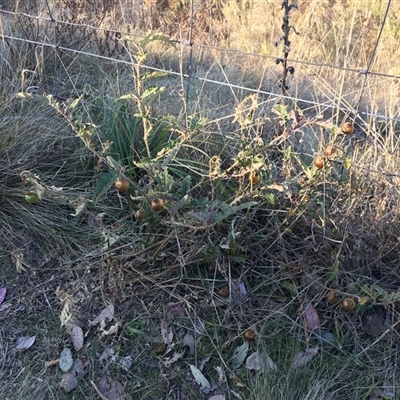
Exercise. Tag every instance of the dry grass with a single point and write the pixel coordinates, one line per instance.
(279, 245)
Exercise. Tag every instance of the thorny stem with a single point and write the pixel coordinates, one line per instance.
(143, 110)
(286, 45)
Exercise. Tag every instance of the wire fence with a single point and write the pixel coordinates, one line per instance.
(52, 42)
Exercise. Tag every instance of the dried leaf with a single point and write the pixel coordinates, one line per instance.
(3, 292)
(217, 397)
(111, 390)
(66, 314)
(374, 324)
(239, 355)
(166, 332)
(17, 257)
(176, 309)
(304, 357)
(110, 331)
(126, 362)
(200, 378)
(242, 288)
(253, 361)
(107, 353)
(260, 362)
(66, 360)
(221, 375)
(188, 340)
(203, 362)
(107, 313)
(76, 337)
(311, 317)
(79, 205)
(176, 356)
(325, 337)
(79, 367)
(312, 283)
(68, 381)
(24, 343)
(327, 124)
(269, 306)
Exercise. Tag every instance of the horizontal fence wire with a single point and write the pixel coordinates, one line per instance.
(362, 71)
(325, 105)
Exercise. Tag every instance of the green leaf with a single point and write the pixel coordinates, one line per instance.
(239, 355)
(346, 163)
(150, 95)
(334, 271)
(237, 258)
(270, 198)
(114, 163)
(151, 37)
(129, 96)
(104, 183)
(154, 75)
(233, 210)
(74, 103)
(170, 156)
(287, 153)
(165, 181)
(185, 185)
(95, 346)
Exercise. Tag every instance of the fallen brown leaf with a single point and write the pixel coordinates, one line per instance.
(107, 313)
(68, 381)
(111, 389)
(76, 334)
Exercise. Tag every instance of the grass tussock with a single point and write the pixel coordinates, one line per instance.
(243, 212)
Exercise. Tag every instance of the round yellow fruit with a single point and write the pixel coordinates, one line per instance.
(255, 178)
(140, 214)
(332, 297)
(319, 162)
(249, 335)
(157, 204)
(348, 304)
(329, 151)
(348, 128)
(122, 185)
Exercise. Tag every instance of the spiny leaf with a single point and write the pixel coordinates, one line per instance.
(104, 183)
(155, 74)
(129, 96)
(185, 185)
(150, 95)
(233, 210)
(151, 37)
